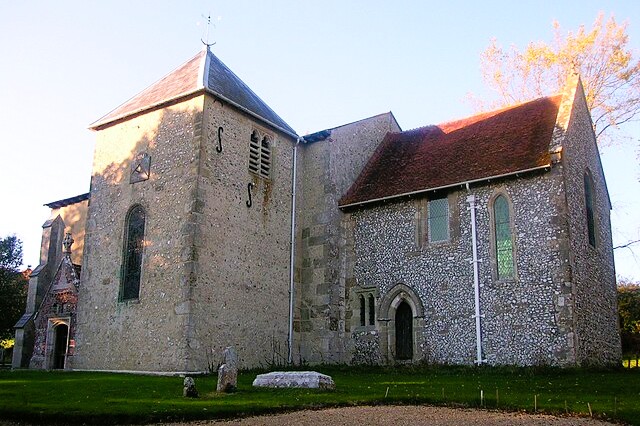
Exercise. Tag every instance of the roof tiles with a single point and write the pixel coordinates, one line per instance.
(485, 145)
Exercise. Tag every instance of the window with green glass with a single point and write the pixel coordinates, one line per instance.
(504, 242)
(438, 220)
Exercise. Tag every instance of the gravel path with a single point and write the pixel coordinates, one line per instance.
(394, 415)
(401, 416)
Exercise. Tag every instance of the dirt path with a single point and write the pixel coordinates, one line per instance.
(401, 416)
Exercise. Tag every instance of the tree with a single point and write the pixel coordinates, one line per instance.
(629, 314)
(610, 73)
(13, 285)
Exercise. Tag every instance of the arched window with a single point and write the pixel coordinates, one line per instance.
(132, 256)
(372, 310)
(260, 155)
(362, 311)
(503, 239)
(589, 202)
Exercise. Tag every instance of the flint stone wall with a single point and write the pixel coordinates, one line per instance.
(527, 320)
(145, 334)
(215, 271)
(593, 273)
(240, 259)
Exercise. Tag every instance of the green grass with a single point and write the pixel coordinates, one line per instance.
(80, 397)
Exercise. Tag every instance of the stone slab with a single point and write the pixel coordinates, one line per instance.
(294, 379)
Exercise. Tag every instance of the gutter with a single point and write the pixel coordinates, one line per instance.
(462, 183)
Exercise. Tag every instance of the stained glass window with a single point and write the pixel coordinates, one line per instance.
(504, 242)
(134, 244)
(588, 197)
(438, 220)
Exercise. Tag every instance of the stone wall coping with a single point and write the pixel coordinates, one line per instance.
(147, 373)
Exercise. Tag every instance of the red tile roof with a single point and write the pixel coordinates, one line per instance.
(490, 144)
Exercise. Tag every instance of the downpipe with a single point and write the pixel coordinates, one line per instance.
(293, 248)
(471, 199)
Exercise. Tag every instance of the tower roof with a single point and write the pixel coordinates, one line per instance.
(202, 73)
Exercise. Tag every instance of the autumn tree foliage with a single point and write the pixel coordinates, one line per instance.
(609, 71)
(13, 285)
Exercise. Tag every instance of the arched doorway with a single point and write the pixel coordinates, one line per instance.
(401, 324)
(60, 346)
(404, 331)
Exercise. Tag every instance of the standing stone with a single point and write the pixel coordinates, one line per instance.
(189, 388)
(228, 371)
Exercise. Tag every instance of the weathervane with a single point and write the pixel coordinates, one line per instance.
(206, 43)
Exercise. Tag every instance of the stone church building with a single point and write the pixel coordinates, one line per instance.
(211, 223)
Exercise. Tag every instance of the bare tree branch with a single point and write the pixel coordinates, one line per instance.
(630, 243)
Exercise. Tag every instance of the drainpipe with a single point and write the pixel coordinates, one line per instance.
(293, 242)
(471, 199)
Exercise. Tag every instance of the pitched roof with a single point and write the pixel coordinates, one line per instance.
(202, 73)
(324, 134)
(68, 201)
(486, 145)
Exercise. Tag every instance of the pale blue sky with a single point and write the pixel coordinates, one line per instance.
(318, 64)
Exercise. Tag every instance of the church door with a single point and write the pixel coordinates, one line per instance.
(404, 332)
(60, 346)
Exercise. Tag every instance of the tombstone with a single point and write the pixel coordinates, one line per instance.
(228, 371)
(189, 388)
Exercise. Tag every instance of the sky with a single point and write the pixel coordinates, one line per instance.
(318, 64)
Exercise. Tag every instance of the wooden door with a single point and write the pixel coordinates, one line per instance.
(404, 332)
(60, 346)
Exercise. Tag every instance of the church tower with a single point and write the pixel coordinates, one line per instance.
(187, 236)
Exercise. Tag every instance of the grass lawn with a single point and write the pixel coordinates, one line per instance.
(80, 397)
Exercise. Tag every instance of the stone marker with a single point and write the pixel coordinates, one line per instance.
(228, 371)
(294, 379)
(189, 388)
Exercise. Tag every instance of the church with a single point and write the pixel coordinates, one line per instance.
(210, 222)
